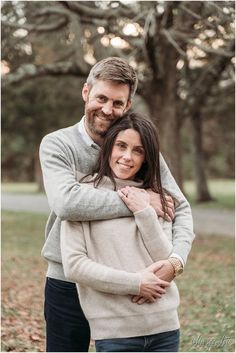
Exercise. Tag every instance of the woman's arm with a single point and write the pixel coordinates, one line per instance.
(153, 235)
(79, 268)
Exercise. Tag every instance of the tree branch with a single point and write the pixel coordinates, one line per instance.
(199, 91)
(173, 42)
(192, 13)
(185, 38)
(30, 71)
(113, 13)
(38, 28)
(61, 22)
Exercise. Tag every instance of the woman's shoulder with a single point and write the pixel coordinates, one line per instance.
(106, 182)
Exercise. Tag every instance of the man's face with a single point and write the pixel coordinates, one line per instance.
(105, 102)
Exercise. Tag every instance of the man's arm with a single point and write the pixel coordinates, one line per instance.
(69, 199)
(79, 268)
(183, 234)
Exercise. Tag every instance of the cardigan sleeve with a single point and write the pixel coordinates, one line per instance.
(80, 269)
(155, 239)
(183, 234)
(68, 198)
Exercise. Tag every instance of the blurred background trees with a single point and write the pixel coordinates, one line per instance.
(183, 52)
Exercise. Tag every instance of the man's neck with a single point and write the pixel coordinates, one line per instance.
(95, 137)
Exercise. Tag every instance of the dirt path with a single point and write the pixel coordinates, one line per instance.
(206, 221)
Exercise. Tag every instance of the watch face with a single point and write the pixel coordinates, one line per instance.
(179, 271)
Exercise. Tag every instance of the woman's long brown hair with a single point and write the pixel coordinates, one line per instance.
(149, 173)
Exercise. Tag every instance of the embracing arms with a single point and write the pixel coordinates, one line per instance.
(81, 269)
(69, 199)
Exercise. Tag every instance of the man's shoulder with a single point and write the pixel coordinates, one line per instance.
(66, 131)
(69, 136)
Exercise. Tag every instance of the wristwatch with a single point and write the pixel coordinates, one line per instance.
(177, 265)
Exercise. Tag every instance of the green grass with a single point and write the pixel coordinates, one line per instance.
(206, 288)
(207, 296)
(20, 188)
(222, 190)
(23, 273)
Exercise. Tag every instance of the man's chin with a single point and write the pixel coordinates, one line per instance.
(101, 133)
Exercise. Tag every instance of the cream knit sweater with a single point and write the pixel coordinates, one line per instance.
(103, 257)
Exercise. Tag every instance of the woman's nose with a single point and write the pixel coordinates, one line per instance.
(127, 155)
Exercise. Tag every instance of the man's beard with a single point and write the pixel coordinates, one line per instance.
(93, 126)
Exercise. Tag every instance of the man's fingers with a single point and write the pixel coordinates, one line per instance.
(169, 215)
(169, 199)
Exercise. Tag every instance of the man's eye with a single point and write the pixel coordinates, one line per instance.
(118, 104)
(101, 99)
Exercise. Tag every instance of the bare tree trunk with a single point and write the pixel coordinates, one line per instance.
(199, 92)
(38, 177)
(203, 194)
(164, 112)
(166, 121)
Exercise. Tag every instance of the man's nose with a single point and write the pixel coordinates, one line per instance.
(107, 108)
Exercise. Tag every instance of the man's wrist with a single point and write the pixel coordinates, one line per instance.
(178, 257)
(177, 265)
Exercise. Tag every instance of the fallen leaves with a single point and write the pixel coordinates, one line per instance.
(22, 307)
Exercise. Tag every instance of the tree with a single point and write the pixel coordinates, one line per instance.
(167, 42)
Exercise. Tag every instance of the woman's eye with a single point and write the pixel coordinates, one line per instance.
(139, 151)
(120, 145)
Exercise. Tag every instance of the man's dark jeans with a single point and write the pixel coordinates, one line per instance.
(161, 342)
(67, 329)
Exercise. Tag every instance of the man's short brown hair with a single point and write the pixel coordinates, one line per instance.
(114, 69)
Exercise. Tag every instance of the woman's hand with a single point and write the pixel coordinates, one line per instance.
(134, 198)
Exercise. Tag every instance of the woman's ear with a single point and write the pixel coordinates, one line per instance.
(85, 92)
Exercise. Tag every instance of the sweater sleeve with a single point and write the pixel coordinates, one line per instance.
(182, 229)
(80, 269)
(154, 238)
(69, 199)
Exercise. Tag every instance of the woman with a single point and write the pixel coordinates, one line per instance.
(102, 256)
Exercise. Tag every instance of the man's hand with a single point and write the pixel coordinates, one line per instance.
(163, 270)
(166, 271)
(155, 202)
(151, 287)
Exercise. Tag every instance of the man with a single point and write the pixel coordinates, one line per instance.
(107, 94)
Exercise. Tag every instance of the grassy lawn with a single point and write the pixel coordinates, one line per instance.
(20, 188)
(207, 289)
(222, 190)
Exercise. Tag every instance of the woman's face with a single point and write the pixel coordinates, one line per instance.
(127, 154)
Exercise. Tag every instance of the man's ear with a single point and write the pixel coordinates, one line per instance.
(85, 92)
(129, 103)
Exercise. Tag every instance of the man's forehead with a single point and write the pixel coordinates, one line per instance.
(111, 88)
